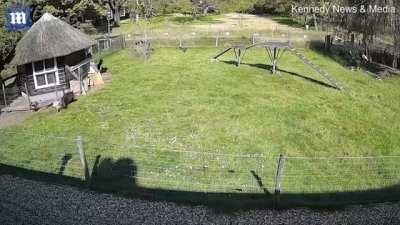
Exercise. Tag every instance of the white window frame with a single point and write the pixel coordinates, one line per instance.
(44, 72)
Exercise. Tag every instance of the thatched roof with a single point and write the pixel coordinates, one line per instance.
(49, 37)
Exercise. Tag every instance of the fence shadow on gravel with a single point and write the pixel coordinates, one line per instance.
(117, 177)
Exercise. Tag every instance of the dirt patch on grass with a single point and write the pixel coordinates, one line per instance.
(236, 21)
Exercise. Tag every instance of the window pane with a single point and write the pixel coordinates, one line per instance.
(51, 78)
(41, 80)
(60, 61)
(49, 63)
(38, 66)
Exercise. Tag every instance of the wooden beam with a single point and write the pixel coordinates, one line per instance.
(220, 54)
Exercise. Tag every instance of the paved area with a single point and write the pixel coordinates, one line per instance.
(31, 202)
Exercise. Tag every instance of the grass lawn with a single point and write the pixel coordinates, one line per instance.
(153, 111)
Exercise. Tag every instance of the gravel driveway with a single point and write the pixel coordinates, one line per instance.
(30, 202)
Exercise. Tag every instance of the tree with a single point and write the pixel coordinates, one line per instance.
(8, 40)
(395, 19)
(115, 7)
(71, 11)
(368, 24)
(142, 7)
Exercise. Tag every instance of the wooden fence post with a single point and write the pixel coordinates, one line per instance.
(328, 43)
(80, 82)
(27, 94)
(82, 155)
(278, 179)
(4, 93)
(123, 41)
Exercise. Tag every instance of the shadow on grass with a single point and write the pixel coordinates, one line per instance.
(269, 67)
(117, 177)
(350, 57)
(64, 162)
(338, 55)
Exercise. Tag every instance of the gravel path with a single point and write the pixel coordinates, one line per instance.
(30, 202)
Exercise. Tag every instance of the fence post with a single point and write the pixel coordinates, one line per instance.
(27, 94)
(4, 93)
(278, 179)
(253, 38)
(82, 155)
(123, 41)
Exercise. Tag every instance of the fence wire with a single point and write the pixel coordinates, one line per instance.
(147, 162)
(189, 170)
(212, 36)
(9, 92)
(172, 38)
(339, 174)
(42, 153)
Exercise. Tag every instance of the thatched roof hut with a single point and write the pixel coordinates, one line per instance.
(52, 57)
(50, 37)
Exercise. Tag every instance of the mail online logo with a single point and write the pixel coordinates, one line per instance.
(18, 18)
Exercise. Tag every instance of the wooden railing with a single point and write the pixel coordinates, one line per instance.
(79, 72)
(81, 69)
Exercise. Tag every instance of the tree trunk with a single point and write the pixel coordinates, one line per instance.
(396, 34)
(396, 46)
(328, 43)
(352, 38)
(117, 15)
(315, 22)
(365, 45)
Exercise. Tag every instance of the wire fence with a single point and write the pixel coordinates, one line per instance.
(9, 91)
(196, 171)
(147, 164)
(43, 153)
(108, 44)
(339, 174)
(173, 38)
(197, 39)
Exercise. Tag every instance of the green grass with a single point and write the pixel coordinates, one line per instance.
(175, 102)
